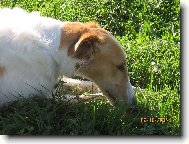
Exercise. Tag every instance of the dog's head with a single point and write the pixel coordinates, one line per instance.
(100, 58)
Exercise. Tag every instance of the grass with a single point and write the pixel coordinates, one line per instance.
(149, 31)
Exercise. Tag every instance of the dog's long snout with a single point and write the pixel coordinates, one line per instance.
(130, 93)
(125, 94)
(111, 96)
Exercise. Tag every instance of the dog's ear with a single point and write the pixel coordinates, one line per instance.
(86, 47)
(92, 25)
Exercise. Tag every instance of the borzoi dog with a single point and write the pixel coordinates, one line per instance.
(35, 51)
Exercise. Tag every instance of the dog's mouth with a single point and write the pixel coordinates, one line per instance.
(113, 99)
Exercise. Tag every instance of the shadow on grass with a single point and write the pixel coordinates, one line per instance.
(38, 116)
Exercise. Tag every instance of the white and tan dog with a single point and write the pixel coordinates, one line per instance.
(35, 51)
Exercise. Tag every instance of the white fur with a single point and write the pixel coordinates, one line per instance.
(130, 92)
(29, 46)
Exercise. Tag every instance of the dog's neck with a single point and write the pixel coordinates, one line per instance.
(51, 32)
(65, 64)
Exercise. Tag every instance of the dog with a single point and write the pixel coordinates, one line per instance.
(35, 51)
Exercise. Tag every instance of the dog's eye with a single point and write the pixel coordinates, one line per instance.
(121, 67)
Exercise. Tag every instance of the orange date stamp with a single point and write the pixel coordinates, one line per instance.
(153, 120)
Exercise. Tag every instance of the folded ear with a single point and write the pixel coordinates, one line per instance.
(86, 47)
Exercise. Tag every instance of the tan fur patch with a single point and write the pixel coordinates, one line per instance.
(92, 25)
(2, 71)
(86, 47)
(72, 32)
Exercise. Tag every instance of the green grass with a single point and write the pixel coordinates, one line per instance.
(150, 33)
